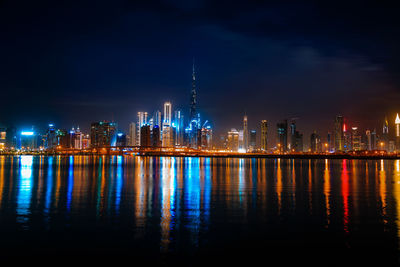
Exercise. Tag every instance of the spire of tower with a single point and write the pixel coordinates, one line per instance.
(193, 95)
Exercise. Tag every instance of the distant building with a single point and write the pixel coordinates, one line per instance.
(355, 139)
(253, 140)
(206, 138)
(102, 134)
(145, 136)
(282, 136)
(233, 140)
(121, 140)
(27, 140)
(245, 134)
(339, 135)
(142, 120)
(296, 139)
(264, 135)
(156, 136)
(315, 143)
(3, 138)
(385, 133)
(397, 123)
(346, 139)
(132, 134)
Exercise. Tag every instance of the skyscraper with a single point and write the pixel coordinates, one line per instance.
(233, 140)
(355, 139)
(339, 137)
(264, 135)
(102, 134)
(245, 134)
(315, 143)
(296, 139)
(193, 96)
(142, 120)
(253, 140)
(397, 122)
(167, 140)
(132, 134)
(282, 136)
(385, 134)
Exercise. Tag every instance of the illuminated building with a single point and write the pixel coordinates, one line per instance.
(385, 134)
(85, 141)
(3, 138)
(355, 139)
(75, 138)
(339, 133)
(179, 124)
(63, 139)
(142, 120)
(315, 143)
(102, 134)
(397, 122)
(253, 140)
(245, 134)
(167, 131)
(206, 137)
(233, 140)
(121, 139)
(193, 130)
(132, 134)
(11, 138)
(145, 136)
(27, 140)
(157, 118)
(329, 141)
(368, 140)
(296, 139)
(282, 136)
(264, 135)
(51, 137)
(374, 140)
(346, 139)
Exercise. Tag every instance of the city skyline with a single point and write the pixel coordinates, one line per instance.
(76, 72)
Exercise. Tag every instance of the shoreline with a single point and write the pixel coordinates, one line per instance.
(215, 155)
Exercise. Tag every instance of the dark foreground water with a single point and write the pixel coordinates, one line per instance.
(199, 211)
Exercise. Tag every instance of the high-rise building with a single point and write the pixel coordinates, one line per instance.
(27, 140)
(51, 137)
(142, 120)
(206, 137)
(253, 140)
(245, 134)
(385, 134)
(179, 125)
(296, 139)
(282, 136)
(329, 141)
(132, 134)
(102, 134)
(264, 135)
(355, 139)
(233, 140)
(156, 136)
(339, 136)
(3, 138)
(397, 123)
(145, 136)
(315, 143)
(368, 140)
(157, 118)
(167, 114)
(346, 139)
(121, 139)
(193, 130)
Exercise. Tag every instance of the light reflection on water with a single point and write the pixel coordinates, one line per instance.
(186, 203)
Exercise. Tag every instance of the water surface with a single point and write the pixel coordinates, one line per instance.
(196, 211)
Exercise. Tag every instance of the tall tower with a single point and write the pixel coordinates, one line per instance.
(397, 122)
(193, 96)
(245, 134)
(385, 134)
(339, 133)
(264, 132)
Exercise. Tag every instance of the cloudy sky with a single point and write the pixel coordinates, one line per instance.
(74, 62)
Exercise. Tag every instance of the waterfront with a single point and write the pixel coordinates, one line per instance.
(187, 210)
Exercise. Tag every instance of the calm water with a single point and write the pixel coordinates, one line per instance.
(200, 210)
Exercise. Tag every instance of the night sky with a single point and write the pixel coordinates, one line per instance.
(74, 62)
